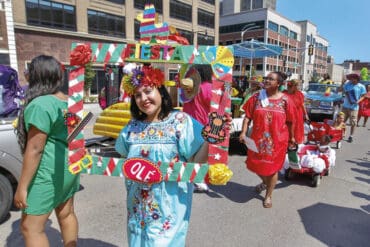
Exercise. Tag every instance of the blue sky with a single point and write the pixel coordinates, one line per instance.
(344, 23)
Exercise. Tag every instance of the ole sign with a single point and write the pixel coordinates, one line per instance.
(142, 170)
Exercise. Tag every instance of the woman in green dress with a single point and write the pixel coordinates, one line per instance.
(45, 183)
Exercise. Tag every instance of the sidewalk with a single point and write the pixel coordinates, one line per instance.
(94, 108)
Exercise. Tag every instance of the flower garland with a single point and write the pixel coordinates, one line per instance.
(144, 76)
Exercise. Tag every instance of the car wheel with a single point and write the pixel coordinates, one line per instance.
(316, 180)
(6, 197)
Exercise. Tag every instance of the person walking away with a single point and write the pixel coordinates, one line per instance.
(45, 183)
(158, 214)
(272, 114)
(353, 91)
(364, 107)
(196, 94)
(297, 98)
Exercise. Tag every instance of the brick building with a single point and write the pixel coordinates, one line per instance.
(50, 27)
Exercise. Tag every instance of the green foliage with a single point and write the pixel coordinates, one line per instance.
(89, 76)
(364, 74)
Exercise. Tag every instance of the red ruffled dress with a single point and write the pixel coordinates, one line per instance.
(269, 132)
(364, 107)
(297, 100)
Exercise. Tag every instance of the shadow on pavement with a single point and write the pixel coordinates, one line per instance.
(233, 191)
(15, 239)
(364, 196)
(336, 226)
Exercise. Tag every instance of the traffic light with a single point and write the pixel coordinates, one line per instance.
(310, 50)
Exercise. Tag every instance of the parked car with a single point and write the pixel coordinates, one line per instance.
(10, 166)
(322, 100)
(10, 156)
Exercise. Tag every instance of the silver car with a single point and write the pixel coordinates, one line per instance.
(10, 166)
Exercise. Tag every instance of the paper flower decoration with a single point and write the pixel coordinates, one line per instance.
(80, 55)
(219, 174)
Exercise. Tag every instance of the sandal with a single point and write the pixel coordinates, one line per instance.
(260, 187)
(267, 203)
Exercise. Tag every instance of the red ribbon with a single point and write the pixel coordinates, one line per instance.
(80, 55)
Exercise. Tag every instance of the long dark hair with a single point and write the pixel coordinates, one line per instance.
(166, 106)
(45, 77)
(281, 76)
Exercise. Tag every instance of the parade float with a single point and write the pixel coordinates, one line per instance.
(157, 45)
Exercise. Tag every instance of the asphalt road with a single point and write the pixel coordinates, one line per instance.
(337, 213)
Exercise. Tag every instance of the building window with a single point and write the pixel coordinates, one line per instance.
(137, 29)
(245, 5)
(237, 28)
(106, 24)
(180, 11)
(158, 5)
(293, 35)
(257, 4)
(209, 1)
(4, 59)
(51, 14)
(186, 34)
(122, 2)
(204, 39)
(284, 31)
(206, 19)
(273, 26)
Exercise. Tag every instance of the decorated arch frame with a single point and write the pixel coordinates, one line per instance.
(221, 60)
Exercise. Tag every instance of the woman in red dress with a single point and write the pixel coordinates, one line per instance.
(272, 114)
(297, 99)
(364, 110)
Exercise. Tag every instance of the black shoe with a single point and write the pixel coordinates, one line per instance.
(350, 139)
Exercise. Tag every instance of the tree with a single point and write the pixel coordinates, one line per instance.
(89, 78)
(364, 74)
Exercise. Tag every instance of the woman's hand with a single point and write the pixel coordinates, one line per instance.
(20, 198)
(292, 143)
(242, 137)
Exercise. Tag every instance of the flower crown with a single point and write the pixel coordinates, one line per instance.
(142, 76)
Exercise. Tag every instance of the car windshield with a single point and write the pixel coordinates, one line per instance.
(321, 88)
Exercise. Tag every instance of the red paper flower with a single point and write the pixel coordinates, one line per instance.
(80, 55)
(71, 119)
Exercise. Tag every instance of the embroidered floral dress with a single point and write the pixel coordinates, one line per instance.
(158, 215)
(269, 132)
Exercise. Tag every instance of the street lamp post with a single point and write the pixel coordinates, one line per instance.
(245, 29)
(195, 35)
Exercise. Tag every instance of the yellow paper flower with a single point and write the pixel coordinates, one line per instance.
(219, 174)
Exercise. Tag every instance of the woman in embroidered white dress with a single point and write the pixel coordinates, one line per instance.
(158, 214)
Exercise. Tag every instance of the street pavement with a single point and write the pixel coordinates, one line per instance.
(336, 213)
